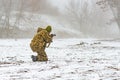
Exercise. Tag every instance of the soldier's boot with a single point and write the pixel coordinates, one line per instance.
(34, 58)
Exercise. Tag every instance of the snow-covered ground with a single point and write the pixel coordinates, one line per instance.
(69, 59)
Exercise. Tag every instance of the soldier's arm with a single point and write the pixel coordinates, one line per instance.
(47, 38)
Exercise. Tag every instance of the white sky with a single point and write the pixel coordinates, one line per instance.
(59, 3)
(62, 3)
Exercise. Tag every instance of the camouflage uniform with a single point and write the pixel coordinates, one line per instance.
(38, 44)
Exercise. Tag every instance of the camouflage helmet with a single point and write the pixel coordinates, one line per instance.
(48, 28)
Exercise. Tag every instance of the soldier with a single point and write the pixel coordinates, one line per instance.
(39, 42)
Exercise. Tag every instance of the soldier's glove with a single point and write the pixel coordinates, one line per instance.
(52, 35)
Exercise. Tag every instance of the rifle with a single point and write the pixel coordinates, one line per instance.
(52, 35)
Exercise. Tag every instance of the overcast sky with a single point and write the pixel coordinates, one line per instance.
(59, 3)
(62, 3)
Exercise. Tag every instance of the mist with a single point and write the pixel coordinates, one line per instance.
(69, 19)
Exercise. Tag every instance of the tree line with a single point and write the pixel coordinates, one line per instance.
(14, 12)
(81, 15)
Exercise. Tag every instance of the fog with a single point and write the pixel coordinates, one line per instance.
(69, 19)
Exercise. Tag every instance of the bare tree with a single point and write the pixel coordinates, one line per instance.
(85, 17)
(114, 6)
(77, 12)
(7, 11)
(16, 12)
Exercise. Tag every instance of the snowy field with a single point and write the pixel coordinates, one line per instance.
(69, 59)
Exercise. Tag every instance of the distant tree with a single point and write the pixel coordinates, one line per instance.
(7, 12)
(85, 16)
(77, 12)
(114, 6)
(15, 12)
(19, 13)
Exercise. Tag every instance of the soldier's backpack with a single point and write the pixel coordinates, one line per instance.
(39, 29)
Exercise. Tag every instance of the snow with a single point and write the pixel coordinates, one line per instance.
(69, 59)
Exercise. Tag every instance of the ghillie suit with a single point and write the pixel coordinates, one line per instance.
(39, 42)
